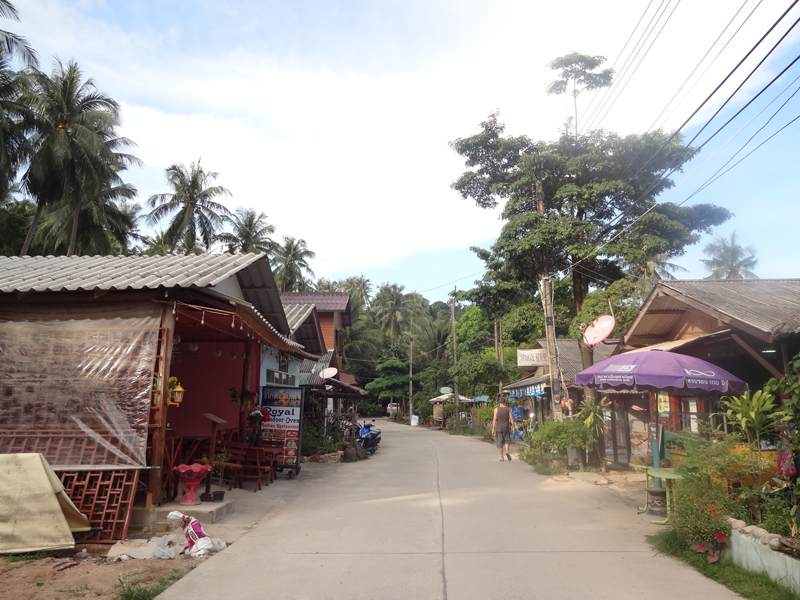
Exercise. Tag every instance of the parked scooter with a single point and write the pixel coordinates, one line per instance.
(369, 436)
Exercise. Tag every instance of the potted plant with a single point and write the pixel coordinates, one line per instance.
(217, 466)
(245, 399)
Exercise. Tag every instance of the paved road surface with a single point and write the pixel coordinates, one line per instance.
(434, 516)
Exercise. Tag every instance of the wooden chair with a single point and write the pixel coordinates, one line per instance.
(246, 462)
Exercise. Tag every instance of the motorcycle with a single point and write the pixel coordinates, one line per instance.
(369, 436)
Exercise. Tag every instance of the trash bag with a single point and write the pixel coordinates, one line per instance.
(196, 536)
(167, 547)
(785, 462)
(217, 545)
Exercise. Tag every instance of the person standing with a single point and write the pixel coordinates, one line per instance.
(502, 426)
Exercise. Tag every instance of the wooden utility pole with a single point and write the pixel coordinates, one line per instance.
(549, 321)
(410, 370)
(455, 359)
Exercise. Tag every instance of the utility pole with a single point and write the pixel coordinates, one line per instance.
(410, 370)
(549, 321)
(455, 359)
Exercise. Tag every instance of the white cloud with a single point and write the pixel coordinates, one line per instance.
(355, 161)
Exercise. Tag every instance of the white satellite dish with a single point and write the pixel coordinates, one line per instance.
(328, 373)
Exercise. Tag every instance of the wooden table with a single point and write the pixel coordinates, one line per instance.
(271, 454)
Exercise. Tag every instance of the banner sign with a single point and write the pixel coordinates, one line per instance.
(518, 413)
(285, 406)
(532, 358)
(663, 404)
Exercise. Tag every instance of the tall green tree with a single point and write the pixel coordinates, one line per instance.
(729, 260)
(12, 44)
(73, 146)
(358, 287)
(290, 262)
(580, 72)
(362, 341)
(193, 200)
(250, 232)
(593, 216)
(390, 309)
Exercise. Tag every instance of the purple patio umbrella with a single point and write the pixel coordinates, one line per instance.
(656, 369)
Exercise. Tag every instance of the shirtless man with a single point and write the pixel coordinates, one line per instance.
(503, 426)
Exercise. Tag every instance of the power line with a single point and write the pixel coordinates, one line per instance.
(614, 101)
(624, 68)
(616, 60)
(619, 218)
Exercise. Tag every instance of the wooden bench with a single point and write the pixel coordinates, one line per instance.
(245, 462)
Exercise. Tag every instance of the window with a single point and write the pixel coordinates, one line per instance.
(281, 378)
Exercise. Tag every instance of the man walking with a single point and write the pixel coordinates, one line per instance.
(502, 426)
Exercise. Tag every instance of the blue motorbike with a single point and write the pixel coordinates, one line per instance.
(369, 436)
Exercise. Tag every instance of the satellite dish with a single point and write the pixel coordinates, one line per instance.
(328, 373)
(445, 390)
(599, 330)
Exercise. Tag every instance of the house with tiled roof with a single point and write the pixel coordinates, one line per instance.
(333, 314)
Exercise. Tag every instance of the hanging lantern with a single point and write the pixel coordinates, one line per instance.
(176, 397)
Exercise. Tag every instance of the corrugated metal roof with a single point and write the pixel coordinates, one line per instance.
(760, 303)
(676, 344)
(310, 369)
(324, 301)
(296, 314)
(90, 273)
(116, 273)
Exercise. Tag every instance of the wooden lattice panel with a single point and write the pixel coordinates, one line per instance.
(106, 497)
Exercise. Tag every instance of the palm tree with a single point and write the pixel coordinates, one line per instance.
(362, 340)
(250, 232)
(13, 44)
(654, 268)
(13, 142)
(193, 202)
(358, 287)
(389, 308)
(728, 260)
(155, 246)
(432, 336)
(325, 285)
(72, 145)
(103, 225)
(290, 262)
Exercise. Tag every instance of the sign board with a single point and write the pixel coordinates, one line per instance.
(518, 414)
(663, 404)
(654, 433)
(532, 358)
(285, 406)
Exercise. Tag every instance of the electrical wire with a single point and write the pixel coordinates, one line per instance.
(614, 101)
(625, 65)
(619, 218)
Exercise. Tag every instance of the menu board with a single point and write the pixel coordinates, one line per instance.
(285, 406)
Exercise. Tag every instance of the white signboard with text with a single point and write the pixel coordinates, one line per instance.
(532, 358)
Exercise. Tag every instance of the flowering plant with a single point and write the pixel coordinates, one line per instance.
(245, 398)
(700, 521)
(257, 415)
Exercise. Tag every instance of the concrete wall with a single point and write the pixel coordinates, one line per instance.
(754, 556)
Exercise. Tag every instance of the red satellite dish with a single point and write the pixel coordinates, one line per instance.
(599, 330)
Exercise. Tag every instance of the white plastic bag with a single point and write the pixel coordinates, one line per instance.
(196, 536)
(217, 545)
(167, 547)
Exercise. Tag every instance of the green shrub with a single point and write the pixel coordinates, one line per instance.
(700, 510)
(554, 437)
(777, 514)
(312, 440)
(366, 408)
(486, 415)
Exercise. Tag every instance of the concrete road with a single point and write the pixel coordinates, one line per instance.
(435, 516)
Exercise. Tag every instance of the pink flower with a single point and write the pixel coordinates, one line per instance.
(713, 557)
(721, 537)
(700, 547)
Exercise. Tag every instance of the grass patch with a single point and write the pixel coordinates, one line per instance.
(25, 557)
(133, 590)
(756, 586)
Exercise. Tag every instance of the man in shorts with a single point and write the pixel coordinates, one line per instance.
(502, 427)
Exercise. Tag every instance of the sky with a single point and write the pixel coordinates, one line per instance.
(334, 118)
